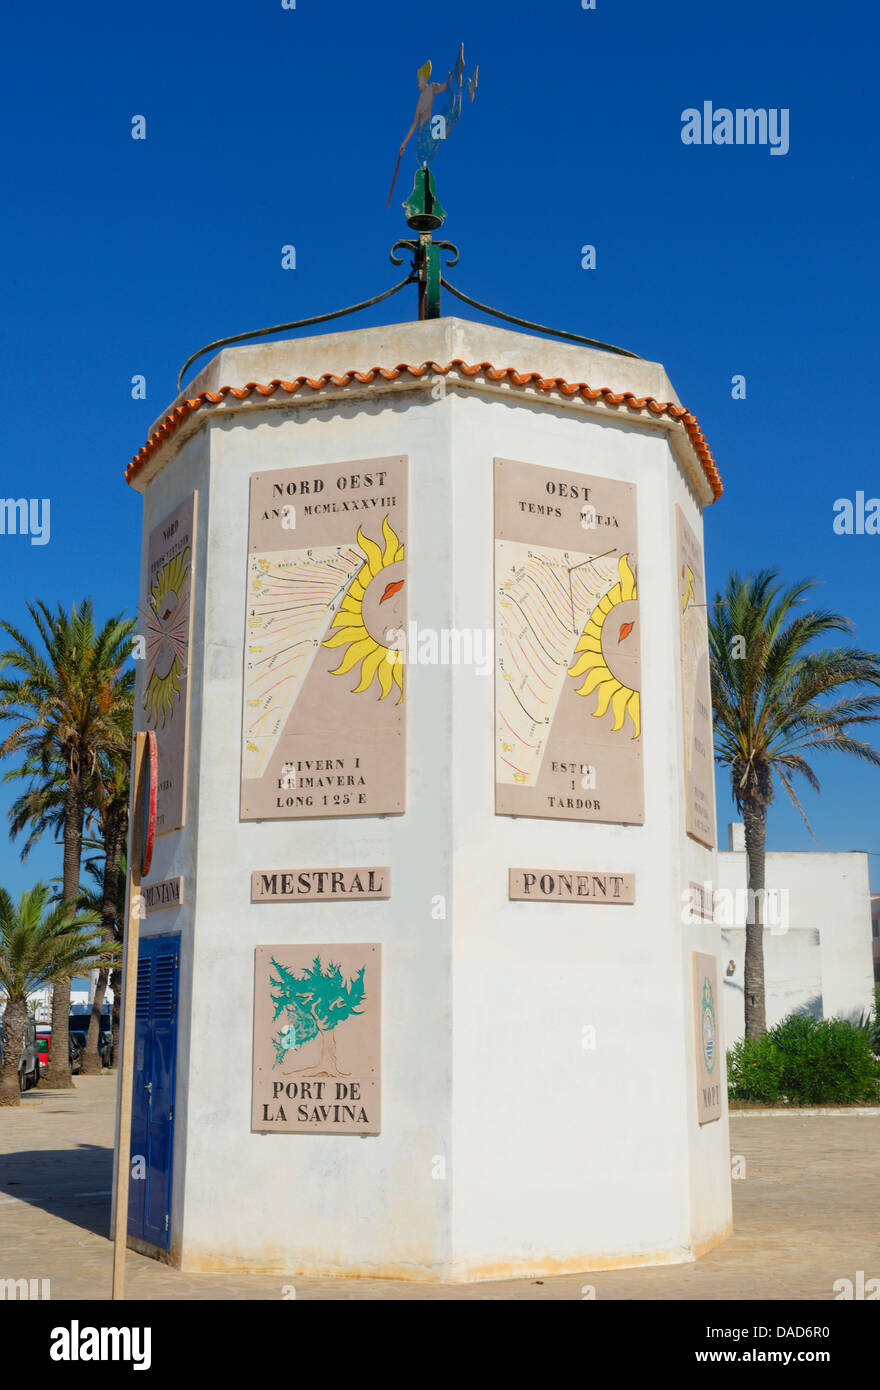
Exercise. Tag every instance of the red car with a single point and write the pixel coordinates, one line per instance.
(44, 1047)
(44, 1043)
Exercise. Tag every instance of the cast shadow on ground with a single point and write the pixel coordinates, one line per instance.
(73, 1184)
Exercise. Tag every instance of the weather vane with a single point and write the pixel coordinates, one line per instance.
(431, 127)
(425, 216)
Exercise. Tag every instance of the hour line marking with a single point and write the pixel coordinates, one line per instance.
(572, 568)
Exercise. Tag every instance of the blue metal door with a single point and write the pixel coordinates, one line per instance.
(152, 1116)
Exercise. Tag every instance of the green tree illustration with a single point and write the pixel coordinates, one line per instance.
(314, 1003)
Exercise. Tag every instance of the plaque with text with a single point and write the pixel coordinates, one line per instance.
(167, 612)
(699, 769)
(701, 898)
(168, 893)
(317, 1039)
(568, 712)
(570, 886)
(708, 1039)
(323, 723)
(319, 885)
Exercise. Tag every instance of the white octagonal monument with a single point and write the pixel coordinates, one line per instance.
(425, 653)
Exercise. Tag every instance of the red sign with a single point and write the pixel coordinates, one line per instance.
(149, 785)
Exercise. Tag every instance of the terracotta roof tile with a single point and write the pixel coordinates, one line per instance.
(176, 417)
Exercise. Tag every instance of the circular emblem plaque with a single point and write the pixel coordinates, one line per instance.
(707, 1026)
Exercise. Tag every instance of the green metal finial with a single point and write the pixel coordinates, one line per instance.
(422, 207)
(424, 214)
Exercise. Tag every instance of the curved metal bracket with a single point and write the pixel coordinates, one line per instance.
(407, 245)
(425, 268)
(535, 327)
(297, 323)
(448, 246)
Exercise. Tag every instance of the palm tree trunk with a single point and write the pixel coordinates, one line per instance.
(57, 1073)
(14, 1023)
(91, 1063)
(755, 818)
(91, 1058)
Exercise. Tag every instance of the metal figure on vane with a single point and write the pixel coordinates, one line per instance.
(430, 126)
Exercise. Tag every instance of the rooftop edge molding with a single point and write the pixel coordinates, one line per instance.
(329, 384)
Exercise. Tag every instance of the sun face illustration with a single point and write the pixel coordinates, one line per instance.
(166, 638)
(372, 610)
(605, 647)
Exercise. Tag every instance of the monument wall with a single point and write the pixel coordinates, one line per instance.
(537, 1059)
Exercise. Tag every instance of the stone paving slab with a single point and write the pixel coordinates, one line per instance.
(805, 1214)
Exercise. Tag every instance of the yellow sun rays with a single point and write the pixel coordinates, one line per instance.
(591, 658)
(162, 692)
(688, 594)
(377, 662)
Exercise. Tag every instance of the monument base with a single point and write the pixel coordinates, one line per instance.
(458, 1272)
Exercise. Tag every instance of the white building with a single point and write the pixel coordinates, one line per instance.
(817, 937)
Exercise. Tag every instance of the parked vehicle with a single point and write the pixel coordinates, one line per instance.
(44, 1047)
(79, 1024)
(44, 1044)
(29, 1066)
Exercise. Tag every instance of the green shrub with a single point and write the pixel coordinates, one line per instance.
(870, 1021)
(805, 1061)
(754, 1070)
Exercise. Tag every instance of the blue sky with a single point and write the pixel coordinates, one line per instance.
(268, 127)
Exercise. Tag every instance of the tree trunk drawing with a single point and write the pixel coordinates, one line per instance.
(326, 1065)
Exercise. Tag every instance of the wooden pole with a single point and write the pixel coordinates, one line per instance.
(394, 180)
(129, 1001)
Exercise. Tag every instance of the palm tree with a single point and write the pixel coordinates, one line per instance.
(41, 808)
(66, 695)
(93, 897)
(107, 897)
(776, 697)
(40, 943)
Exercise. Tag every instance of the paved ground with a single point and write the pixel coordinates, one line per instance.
(805, 1215)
